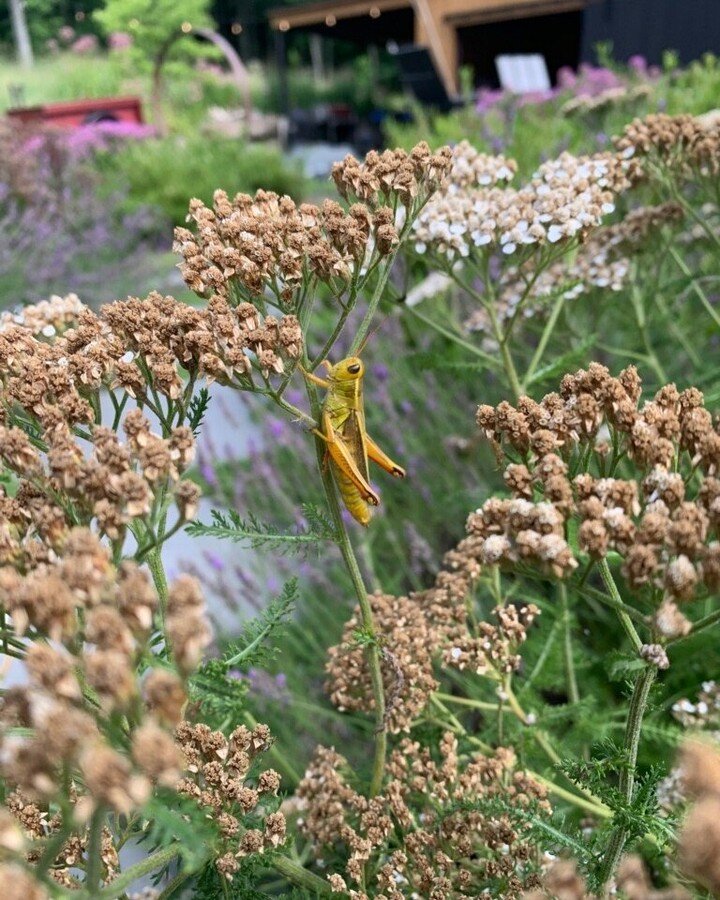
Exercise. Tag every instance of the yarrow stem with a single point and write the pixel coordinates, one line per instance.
(572, 685)
(625, 619)
(364, 327)
(702, 296)
(301, 877)
(372, 650)
(93, 872)
(633, 729)
(119, 885)
(543, 342)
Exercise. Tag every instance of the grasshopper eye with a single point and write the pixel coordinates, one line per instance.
(354, 368)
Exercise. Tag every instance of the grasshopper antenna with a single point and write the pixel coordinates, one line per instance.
(372, 333)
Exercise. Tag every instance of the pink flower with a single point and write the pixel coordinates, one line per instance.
(120, 40)
(86, 44)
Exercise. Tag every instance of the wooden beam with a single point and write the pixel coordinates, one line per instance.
(432, 31)
(286, 17)
(460, 13)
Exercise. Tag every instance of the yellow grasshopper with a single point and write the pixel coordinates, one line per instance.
(348, 443)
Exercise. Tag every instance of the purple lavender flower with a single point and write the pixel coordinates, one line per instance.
(638, 64)
(216, 562)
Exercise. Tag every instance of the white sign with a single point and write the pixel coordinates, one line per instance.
(523, 73)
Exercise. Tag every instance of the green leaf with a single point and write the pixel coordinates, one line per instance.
(245, 649)
(198, 408)
(223, 695)
(175, 818)
(253, 533)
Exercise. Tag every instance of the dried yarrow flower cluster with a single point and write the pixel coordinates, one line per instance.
(566, 198)
(423, 630)
(393, 176)
(699, 839)
(471, 169)
(217, 776)
(55, 360)
(113, 485)
(661, 524)
(46, 317)
(101, 621)
(98, 675)
(455, 843)
(704, 712)
(88, 680)
(603, 261)
(247, 247)
(562, 881)
(24, 821)
(410, 642)
(685, 146)
(491, 650)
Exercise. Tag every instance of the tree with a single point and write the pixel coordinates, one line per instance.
(153, 24)
(21, 36)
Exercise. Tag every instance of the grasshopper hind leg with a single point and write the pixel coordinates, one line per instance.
(382, 459)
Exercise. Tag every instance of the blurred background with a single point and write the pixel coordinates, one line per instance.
(113, 114)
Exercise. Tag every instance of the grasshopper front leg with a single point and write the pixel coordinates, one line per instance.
(342, 458)
(320, 382)
(382, 459)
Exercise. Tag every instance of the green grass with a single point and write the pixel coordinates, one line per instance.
(62, 77)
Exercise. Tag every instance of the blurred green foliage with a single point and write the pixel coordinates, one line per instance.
(165, 173)
(153, 23)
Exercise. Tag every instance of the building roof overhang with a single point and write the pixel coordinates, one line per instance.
(309, 15)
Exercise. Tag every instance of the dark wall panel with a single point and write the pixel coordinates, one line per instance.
(557, 37)
(691, 27)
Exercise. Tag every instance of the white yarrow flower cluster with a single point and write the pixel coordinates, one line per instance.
(566, 197)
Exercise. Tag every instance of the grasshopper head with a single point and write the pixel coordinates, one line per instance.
(349, 369)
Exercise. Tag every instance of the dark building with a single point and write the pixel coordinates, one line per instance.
(472, 33)
(648, 27)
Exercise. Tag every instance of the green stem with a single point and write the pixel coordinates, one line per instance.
(590, 803)
(118, 885)
(625, 619)
(597, 809)
(692, 212)
(633, 729)
(157, 570)
(94, 865)
(468, 701)
(451, 336)
(372, 650)
(301, 877)
(639, 307)
(173, 885)
(542, 659)
(701, 295)
(593, 594)
(508, 363)
(489, 303)
(362, 331)
(573, 692)
(542, 345)
(701, 624)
